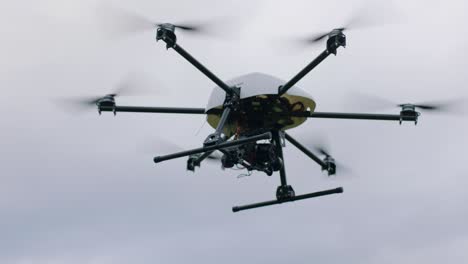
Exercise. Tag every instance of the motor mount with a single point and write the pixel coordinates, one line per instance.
(107, 101)
(336, 39)
(285, 192)
(409, 110)
(166, 32)
(330, 165)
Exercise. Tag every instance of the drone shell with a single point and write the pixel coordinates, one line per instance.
(258, 84)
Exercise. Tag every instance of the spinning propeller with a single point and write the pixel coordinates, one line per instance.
(117, 21)
(366, 17)
(333, 166)
(322, 151)
(319, 37)
(131, 86)
(318, 144)
(443, 106)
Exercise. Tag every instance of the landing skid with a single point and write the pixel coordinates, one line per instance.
(285, 193)
(287, 199)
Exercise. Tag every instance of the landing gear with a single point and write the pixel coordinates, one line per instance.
(284, 192)
(286, 200)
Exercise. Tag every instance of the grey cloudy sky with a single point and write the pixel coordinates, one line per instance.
(83, 188)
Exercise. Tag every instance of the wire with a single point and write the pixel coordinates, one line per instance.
(238, 167)
(203, 125)
(248, 174)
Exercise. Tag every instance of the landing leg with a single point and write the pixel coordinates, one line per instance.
(279, 150)
(284, 193)
(296, 198)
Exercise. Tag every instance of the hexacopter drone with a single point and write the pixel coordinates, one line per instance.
(250, 115)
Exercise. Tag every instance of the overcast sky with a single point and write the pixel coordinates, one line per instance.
(82, 188)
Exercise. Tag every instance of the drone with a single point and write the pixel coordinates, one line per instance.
(251, 114)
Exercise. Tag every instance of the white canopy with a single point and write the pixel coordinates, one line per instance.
(253, 84)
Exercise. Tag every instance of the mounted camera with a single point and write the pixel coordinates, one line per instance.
(257, 156)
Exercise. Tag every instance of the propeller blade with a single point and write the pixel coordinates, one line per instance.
(320, 145)
(117, 22)
(76, 105)
(368, 16)
(132, 85)
(428, 107)
(319, 37)
(212, 27)
(316, 38)
(454, 106)
(368, 101)
(86, 101)
(188, 27)
(322, 151)
(136, 84)
(372, 102)
(340, 168)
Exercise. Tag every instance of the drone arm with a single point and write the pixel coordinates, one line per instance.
(218, 136)
(144, 109)
(284, 88)
(292, 199)
(305, 151)
(195, 160)
(202, 157)
(203, 69)
(334, 41)
(213, 139)
(214, 147)
(360, 116)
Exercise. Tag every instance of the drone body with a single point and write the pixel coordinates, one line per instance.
(259, 102)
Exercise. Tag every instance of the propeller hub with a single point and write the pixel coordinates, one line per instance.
(167, 26)
(331, 165)
(108, 101)
(166, 33)
(336, 32)
(408, 109)
(336, 39)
